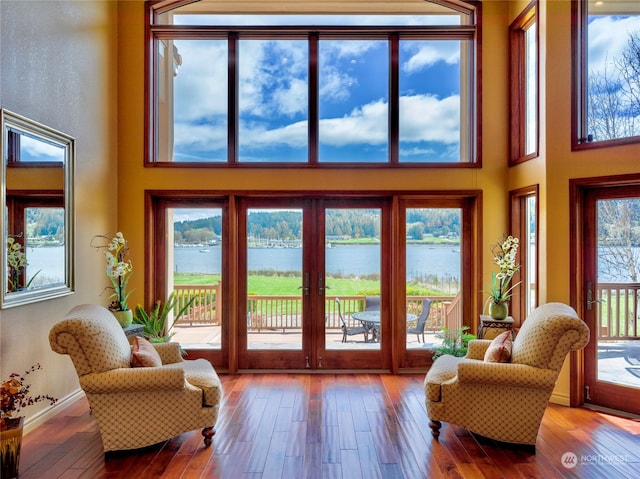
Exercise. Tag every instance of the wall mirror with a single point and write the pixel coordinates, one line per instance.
(37, 202)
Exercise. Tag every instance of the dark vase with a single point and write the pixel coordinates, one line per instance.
(10, 443)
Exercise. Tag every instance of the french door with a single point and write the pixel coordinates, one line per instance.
(304, 269)
(612, 297)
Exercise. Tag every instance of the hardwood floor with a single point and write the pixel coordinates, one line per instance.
(336, 426)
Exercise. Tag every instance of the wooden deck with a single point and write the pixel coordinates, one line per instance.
(336, 426)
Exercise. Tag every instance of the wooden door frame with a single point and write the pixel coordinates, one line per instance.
(399, 359)
(579, 190)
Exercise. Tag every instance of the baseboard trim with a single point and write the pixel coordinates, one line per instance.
(612, 412)
(40, 417)
(560, 399)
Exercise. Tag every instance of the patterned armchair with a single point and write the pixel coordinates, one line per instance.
(464, 391)
(136, 406)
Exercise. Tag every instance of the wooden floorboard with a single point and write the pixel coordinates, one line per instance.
(351, 426)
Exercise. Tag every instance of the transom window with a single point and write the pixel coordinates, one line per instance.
(375, 87)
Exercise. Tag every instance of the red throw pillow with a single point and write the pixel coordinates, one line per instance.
(144, 355)
(499, 351)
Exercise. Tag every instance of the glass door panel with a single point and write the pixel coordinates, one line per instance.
(194, 255)
(618, 292)
(353, 252)
(433, 245)
(274, 279)
(612, 298)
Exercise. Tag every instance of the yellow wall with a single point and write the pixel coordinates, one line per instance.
(59, 68)
(134, 179)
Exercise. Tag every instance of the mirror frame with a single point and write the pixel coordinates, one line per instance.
(32, 128)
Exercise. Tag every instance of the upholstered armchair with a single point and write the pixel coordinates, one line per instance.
(505, 401)
(136, 406)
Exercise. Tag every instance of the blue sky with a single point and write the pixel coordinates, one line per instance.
(353, 92)
(353, 98)
(37, 150)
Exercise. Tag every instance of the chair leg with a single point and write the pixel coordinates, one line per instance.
(435, 428)
(208, 433)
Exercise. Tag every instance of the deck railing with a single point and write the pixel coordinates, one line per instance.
(207, 307)
(285, 312)
(618, 310)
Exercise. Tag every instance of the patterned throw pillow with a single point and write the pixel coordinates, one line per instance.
(144, 355)
(499, 350)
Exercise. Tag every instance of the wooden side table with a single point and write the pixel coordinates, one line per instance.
(490, 328)
(133, 330)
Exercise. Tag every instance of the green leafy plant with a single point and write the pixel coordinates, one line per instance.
(16, 264)
(454, 342)
(154, 322)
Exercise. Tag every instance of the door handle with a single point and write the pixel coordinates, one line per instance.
(305, 285)
(320, 284)
(590, 300)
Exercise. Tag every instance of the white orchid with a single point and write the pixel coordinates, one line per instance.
(504, 255)
(118, 269)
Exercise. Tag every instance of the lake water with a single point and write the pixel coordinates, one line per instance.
(49, 260)
(443, 261)
(422, 260)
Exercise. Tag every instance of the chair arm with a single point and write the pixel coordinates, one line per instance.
(169, 352)
(506, 374)
(477, 348)
(133, 379)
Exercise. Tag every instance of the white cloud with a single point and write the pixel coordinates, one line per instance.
(41, 150)
(335, 85)
(608, 36)
(427, 118)
(201, 83)
(428, 53)
(200, 137)
(364, 125)
(423, 118)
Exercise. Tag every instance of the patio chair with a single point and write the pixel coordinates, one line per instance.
(346, 331)
(136, 406)
(422, 320)
(372, 303)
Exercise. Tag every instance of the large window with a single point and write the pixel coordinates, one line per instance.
(608, 66)
(523, 38)
(332, 89)
(524, 225)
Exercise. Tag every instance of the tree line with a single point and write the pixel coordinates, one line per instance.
(340, 223)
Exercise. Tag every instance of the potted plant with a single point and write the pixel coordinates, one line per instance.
(119, 271)
(504, 255)
(154, 322)
(454, 342)
(16, 264)
(15, 394)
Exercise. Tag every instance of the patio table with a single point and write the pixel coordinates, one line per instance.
(371, 320)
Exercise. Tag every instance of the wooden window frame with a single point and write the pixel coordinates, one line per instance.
(471, 108)
(518, 85)
(518, 227)
(580, 137)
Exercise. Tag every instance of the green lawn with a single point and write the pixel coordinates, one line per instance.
(289, 285)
